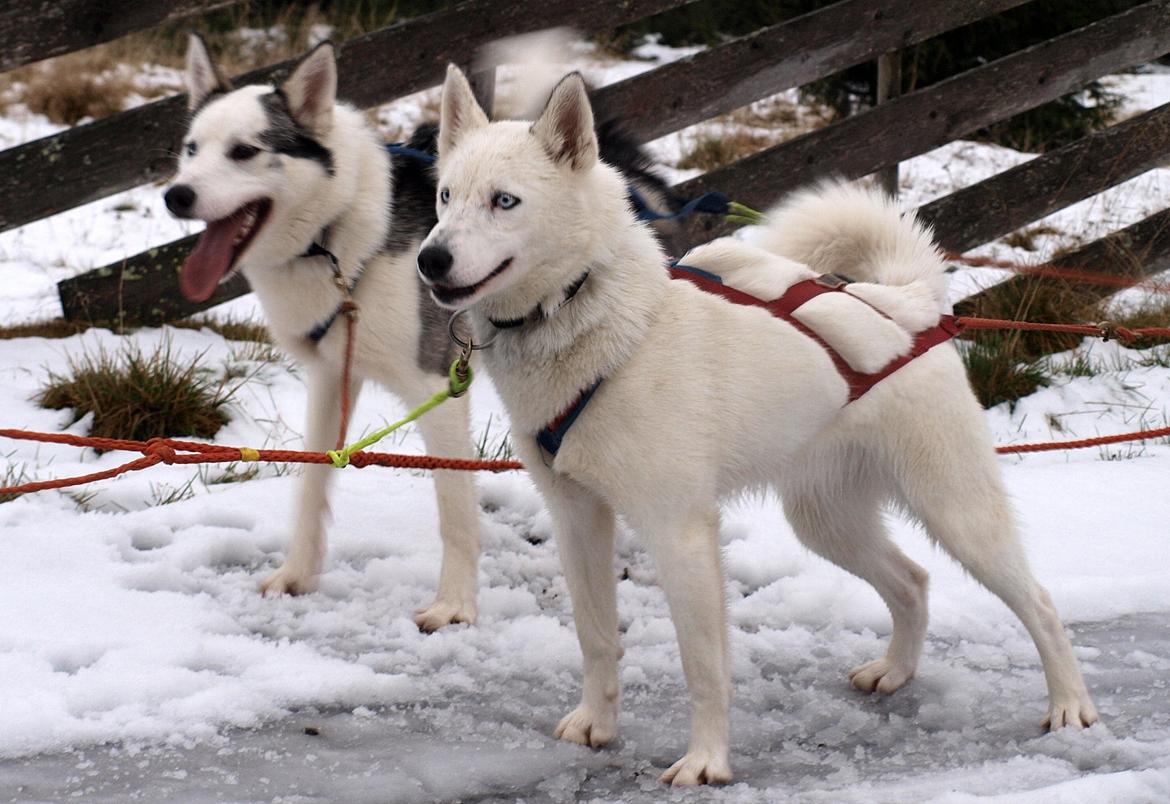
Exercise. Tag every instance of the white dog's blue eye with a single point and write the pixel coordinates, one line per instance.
(504, 200)
(192, 148)
(445, 195)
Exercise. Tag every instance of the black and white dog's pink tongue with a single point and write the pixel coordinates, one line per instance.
(211, 258)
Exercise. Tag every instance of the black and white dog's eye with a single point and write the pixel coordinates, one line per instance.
(242, 153)
(192, 148)
(445, 195)
(504, 200)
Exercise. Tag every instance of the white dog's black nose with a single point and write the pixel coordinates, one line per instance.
(434, 262)
(180, 200)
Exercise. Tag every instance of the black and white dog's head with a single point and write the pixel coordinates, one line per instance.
(250, 156)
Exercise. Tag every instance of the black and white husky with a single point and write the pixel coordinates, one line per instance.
(289, 180)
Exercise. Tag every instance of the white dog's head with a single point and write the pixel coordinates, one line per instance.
(248, 156)
(513, 201)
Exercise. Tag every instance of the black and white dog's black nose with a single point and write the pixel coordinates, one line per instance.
(180, 200)
(434, 262)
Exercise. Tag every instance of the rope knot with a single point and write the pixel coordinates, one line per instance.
(158, 448)
(348, 308)
(1112, 331)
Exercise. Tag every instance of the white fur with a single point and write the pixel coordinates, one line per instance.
(299, 293)
(703, 399)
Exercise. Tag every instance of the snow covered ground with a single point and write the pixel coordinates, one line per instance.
(138, 661)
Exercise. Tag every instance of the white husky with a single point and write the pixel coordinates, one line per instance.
(701, 399)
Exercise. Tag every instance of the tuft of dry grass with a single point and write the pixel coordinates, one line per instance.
(232, 329)
(91, 83)
(1026, 238)
(709, 153)
(13, 476)
(996, 372)
(139, 395)
(49, 328)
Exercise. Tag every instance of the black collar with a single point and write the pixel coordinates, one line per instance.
(317, 249)
(537, 313)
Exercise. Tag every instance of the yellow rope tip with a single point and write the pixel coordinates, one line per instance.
(249, 454)
(340, 458)
(459, 377)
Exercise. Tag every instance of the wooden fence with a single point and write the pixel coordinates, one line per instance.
(92, 161)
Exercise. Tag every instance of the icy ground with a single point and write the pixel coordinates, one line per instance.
(138, 661)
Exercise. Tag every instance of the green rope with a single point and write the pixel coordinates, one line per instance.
(741, 213)
(458, 381)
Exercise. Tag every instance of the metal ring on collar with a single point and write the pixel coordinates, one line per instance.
(469, 344)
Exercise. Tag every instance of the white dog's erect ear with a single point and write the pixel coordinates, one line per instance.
(565, 127)
(460, 112)
(203, 77)
(312, 89)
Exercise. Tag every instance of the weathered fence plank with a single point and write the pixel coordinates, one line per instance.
(933, 116)
(116, 153)
(790, 54)
(31, 30)
(141, 291)
(1006, 201)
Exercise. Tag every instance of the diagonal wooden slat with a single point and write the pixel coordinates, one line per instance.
(31, 30)
(789, 54)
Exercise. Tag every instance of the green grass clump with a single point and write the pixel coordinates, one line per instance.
(138, 395)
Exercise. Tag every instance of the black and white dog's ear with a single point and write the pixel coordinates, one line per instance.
(312, 89)
(460, 111)
(203, 77)
(565, 127)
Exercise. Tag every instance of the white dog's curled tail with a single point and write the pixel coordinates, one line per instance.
(860, 233)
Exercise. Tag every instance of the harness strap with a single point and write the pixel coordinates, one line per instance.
(316, 249)
(553, 434)
(800, 293)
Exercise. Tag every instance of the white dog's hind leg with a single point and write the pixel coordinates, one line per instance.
(842, 522)
(584, 533)
(690, 570)
(302, 562)
(949, 476)
(446, 430)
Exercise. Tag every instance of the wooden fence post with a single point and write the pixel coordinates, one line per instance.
(889, 85)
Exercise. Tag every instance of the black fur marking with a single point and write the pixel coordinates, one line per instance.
(413, 184)
(619, 150)
(285, 135)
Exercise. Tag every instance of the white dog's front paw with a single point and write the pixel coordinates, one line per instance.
(880, 675)
(1075, 712)
(290, 580)
(699, 767)
(587, 727)
(433, 617)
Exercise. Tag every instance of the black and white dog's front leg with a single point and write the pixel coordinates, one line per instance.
(446, 432)
(306, 552)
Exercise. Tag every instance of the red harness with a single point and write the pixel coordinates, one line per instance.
(859, 383)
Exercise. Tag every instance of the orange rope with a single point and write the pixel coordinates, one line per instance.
(1056, 272)
(1144, 435)
(1105, 329)
(171, 451)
